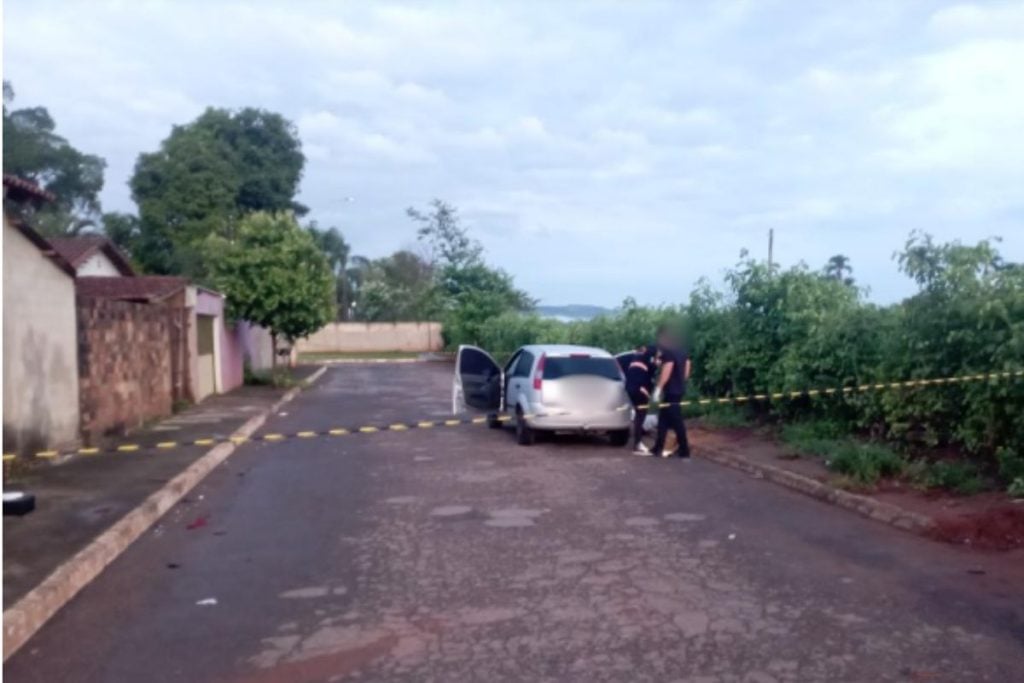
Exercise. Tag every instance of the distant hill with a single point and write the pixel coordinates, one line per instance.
(572, 311)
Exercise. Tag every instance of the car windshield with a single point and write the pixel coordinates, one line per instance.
(557, 368)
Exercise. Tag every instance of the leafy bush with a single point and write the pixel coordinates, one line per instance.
(865, 463)
(726, 416)
(813, 437)
(1011, 464)
(961, 476)
(772, 330)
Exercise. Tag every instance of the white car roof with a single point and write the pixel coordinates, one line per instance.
(566, 350)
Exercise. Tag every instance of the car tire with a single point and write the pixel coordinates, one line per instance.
(619, 438)
(18, 503)
(493, 422)
(525, 436)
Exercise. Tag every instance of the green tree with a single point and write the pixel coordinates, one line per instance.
(398, 287)
(346, 275)
(450, 243)
(205, 177)
(275, 275)
(34, 151)
(839, 268)
(470, 292)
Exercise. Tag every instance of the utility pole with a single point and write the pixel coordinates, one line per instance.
(771, 245)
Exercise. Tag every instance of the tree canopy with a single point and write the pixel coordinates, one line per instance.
(33, 150)
(275, 275)
(206, 176)
(470, 292)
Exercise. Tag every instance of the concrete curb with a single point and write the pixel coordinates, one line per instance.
(862, 505)
(366, 361)
(37, 606)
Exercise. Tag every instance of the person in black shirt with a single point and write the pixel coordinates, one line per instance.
(675, 370)
(639, 380)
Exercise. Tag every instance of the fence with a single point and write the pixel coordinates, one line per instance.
(373, 337)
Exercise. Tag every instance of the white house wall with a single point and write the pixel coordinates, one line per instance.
(40, 358)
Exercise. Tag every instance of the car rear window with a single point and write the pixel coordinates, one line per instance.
(559, 367)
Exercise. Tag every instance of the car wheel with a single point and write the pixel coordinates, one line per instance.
(619, 438)
(18, 503)
(524, 435)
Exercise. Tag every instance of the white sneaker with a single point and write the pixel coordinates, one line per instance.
(642, 450)
(665, 454)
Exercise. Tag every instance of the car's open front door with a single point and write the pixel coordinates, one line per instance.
(478, 381)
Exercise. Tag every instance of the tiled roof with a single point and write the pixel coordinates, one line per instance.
(77, 250)
(138, 288)
(42, 244)
(27, 188)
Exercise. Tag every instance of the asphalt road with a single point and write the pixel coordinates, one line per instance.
(454, 555)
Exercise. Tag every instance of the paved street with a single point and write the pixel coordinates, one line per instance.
(454, 555)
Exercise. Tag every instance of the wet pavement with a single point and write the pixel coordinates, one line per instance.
(452, 554)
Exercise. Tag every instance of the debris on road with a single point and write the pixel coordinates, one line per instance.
(198, 522)
(207, 602)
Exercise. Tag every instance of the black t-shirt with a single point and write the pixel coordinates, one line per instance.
(676, 385)
(638, 373)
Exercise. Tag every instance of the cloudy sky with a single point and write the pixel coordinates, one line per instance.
(598, 149)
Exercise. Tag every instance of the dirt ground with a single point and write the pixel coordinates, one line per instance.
(988, 521)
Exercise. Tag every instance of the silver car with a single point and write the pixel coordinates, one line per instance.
(545, 388)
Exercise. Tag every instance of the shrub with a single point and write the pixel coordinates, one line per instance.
(961, 476)
(865, 463)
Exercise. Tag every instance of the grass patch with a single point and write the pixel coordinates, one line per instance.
(357, 355)
(960, 476)
(725, 417)
(280, 378)
(865, 463)
(813, 437)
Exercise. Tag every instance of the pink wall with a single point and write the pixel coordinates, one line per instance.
(232, 354)
(209, 303)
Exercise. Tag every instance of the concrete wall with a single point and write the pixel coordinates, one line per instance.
(252, 344)
(368, 337)
(40, 350)
(98, 264)
(124, 364)
(232, 351)
(206, 371)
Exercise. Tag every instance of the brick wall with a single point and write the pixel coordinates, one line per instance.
(125, 364)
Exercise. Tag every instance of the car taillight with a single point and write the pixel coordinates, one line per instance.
(538, 374)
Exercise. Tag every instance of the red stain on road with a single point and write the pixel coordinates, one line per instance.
(198, 522)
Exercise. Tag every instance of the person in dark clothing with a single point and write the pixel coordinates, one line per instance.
(639, 381)
(675, 370)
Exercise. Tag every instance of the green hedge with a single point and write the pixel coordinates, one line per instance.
(785, 330)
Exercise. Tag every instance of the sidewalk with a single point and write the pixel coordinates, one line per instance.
(987, 521)
(78, 500)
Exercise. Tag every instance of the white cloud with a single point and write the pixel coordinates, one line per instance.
(589, 128)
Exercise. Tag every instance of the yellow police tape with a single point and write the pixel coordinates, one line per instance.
(429, 424)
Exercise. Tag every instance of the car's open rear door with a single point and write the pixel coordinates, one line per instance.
(478, 381)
